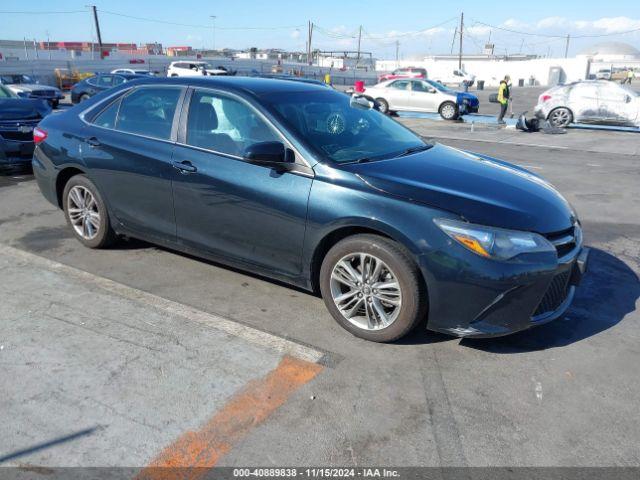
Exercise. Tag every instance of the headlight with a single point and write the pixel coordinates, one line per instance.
(495, 243)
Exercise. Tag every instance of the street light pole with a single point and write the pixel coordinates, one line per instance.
(213, 19)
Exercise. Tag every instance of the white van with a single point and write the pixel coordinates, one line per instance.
(190, 68)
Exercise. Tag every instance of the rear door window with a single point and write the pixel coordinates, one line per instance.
(149, 111)
(105, 81)
(400, 85)
(107, 118)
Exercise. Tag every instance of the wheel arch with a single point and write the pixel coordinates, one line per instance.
(63, 177)
(338, 233)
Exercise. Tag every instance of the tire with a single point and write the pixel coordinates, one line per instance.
(55, 103)
(448, 111)
(397, 268)
(83, 97)
(174, 74)
(560, 117)
(92, 234)
(384, 105)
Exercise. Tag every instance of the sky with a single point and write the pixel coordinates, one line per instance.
(420, 27)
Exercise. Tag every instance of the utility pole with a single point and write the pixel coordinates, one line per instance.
(95, 19)
(26, 52)
(397, 52)
(35, 49)
(566, 48)
(359, 40)
(309, 47)
(461, 28)
(213, 19)
(48, 45)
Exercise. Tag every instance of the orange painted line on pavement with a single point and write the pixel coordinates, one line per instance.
(194, 452)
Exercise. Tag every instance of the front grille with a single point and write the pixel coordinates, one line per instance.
(565, 240)
(555, 295)
(17, 136)
(42, 93)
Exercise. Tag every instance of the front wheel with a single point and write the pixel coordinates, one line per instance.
(560, 117)
(86, 213)
(372, 288)
(448, 111)
(83, 98)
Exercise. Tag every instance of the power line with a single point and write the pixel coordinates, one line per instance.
(42, 13)
(412, 33)
(546, 35)
(165, 22)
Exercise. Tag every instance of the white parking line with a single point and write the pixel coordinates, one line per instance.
(282, 345)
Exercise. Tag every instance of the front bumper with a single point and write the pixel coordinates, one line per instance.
(492, 299)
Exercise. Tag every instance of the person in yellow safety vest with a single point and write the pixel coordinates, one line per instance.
(628, 77)
(503, 97)
(327, 78)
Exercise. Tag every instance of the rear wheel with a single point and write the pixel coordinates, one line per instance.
(384, 105)
(84, 97)
(86, 213)
(448, 111)
(560, 117)
(55, 103)
(372, 288)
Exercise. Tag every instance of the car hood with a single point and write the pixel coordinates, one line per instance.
(28, 87)
(481, 189)
(22, 109)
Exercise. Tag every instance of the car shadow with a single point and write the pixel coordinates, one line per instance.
(607, 293)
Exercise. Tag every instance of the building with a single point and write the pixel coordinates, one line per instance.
(611, 52)
(180, 51)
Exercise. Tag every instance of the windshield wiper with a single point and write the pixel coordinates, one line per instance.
(419, 148)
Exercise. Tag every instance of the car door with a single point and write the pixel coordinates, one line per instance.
(583, 102)
(128, 148)
(227, 206)
(398, 94)
(424, 97)
(616, 105)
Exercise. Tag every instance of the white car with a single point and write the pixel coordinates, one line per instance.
(603, 74)
(26, 87)
(418, 95)
(591, 101)
(188, 68)
(455, 76)
(132, 71)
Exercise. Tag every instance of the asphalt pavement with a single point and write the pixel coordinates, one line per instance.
(75, 355)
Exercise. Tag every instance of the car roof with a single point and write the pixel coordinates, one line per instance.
(253, 85)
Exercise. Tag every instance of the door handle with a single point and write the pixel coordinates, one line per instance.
(93, 141)
(184, 167)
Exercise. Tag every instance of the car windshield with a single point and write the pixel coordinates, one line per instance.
(328, 123)
(439, 86)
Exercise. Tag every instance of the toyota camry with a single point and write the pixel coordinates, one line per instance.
(306, 185)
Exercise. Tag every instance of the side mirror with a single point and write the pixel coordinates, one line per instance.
(361, 102)
(270, 154)
(627, 99)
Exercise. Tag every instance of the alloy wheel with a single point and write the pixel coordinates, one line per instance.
(366, 291)
(560, 117)
(448, 111)
(83, 212)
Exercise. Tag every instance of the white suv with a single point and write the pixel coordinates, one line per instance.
(190, 68)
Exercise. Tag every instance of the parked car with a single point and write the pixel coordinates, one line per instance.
(89, 87)
(191, 68)
(28, 87)
(410, 72)
(597, 102)
(312, 187)
(419, 95)
(133, 71)
(603, 74)
(452, 76)
(18, 117)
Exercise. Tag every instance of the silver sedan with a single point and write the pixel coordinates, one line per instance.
(601, 101)
(415, 95)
